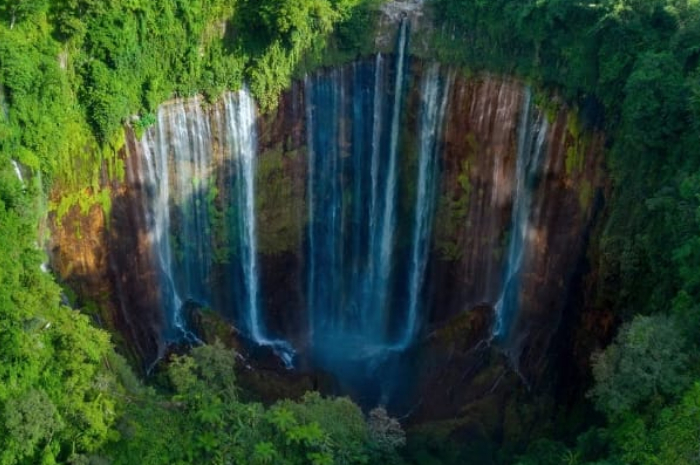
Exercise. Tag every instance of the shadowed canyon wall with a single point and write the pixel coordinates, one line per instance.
(389, 213)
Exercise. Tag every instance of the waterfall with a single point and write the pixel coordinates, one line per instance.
(241, 155)
(368, 289)
(311, 154)
(432, 111)
(388, 219)
(180, 175)
(352, 190)
(18, 171)
(324, 203)
(243, 146)
(409, 198)
(532, 133)
(177, 160)
(156, 181)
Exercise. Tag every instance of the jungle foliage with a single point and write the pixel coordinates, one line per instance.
(73, 72)
(199, 418)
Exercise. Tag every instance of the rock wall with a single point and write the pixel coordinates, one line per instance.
(454, 360)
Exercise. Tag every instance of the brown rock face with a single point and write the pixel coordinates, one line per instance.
(283, 215)
(479, 147)
(475, 217)
(110, 263)
(479, 379)
(474, 214)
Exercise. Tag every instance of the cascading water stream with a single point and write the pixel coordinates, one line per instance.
(311, 154)
(323, 228)
(433, 105)
(192, 151)
(367, 288)
(241, 125)
(18, 172)
(156, 180)
(352, 191)
(242, 150)
(532, 134)
(180, 176)
(388, 219)
(242, 143)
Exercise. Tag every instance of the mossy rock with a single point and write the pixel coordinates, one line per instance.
(282, 212)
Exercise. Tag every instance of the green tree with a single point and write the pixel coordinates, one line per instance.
(654, 106)
(31, 420)
(646, 361)
(679, 430)
(18, 10)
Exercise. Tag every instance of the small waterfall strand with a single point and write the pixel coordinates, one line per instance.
(532, 134)
(433, 105)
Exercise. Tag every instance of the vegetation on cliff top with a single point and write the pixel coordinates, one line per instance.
(73, 72)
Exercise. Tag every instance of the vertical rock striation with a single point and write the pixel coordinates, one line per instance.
(382, 200)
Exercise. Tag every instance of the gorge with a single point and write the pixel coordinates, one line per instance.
(405, 232)
(383, 198)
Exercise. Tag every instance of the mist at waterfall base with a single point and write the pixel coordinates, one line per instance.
(366, 248)
(356, 294)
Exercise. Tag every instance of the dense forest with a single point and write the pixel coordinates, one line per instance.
(74, 72)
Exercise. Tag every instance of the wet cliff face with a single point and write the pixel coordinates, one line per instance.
(107, 259)
(465, 369)
(392, 219)
(488, 133)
